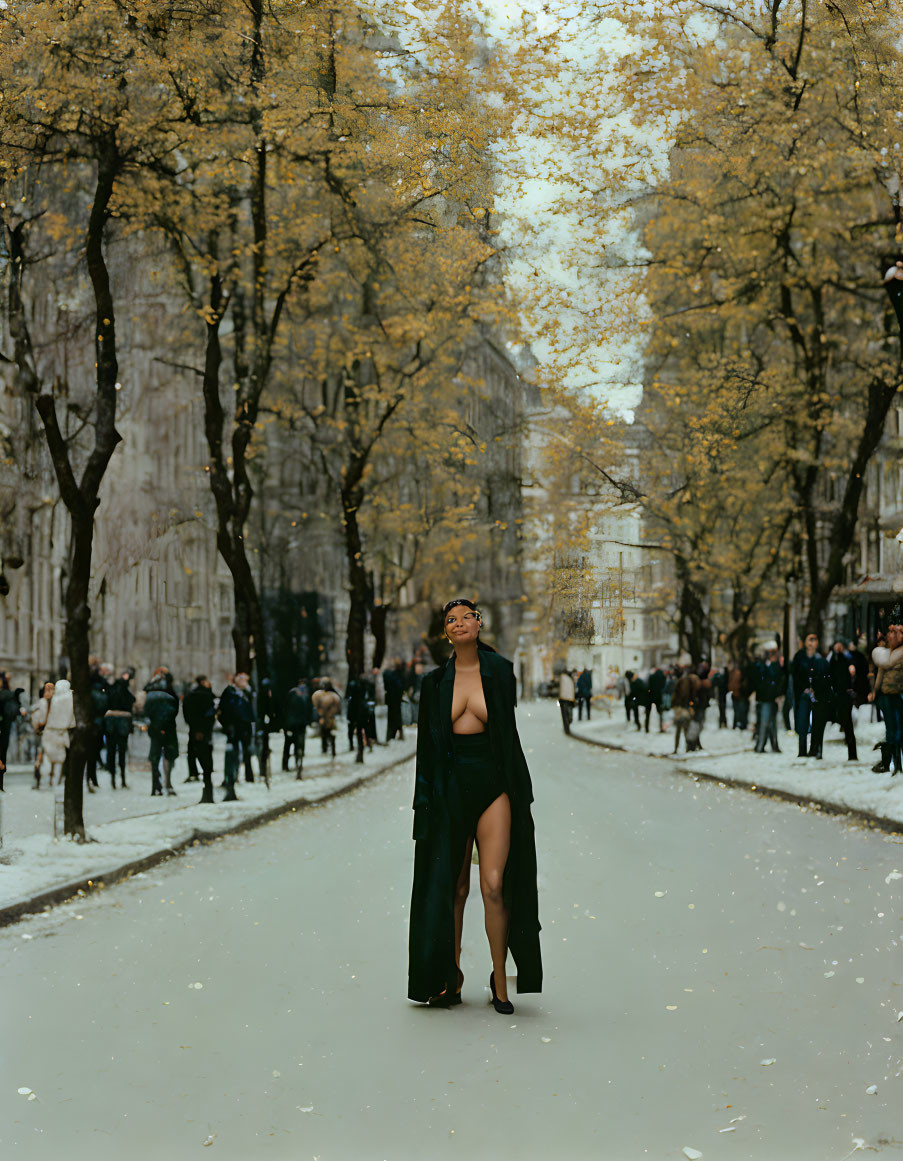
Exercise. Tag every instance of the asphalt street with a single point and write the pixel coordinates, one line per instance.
(722, 975)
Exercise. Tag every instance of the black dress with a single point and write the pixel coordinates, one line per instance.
(457, 777)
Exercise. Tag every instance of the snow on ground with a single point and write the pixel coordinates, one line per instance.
(729, 755)
(125, 826)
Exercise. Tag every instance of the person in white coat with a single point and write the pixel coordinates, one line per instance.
(55, 734)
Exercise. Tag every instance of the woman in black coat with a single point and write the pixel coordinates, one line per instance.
(471, 783)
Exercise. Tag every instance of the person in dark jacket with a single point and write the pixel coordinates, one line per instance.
(861, 684)
(656, 692)
(199, 712)
(639, 694)
(842, 675)
(10, 710)
(117, 725)
(393, 680)
(161, 708)
(297, 715)
(813, 692)
(267, 723)
(768, 685)
(100, 703)
(236, 713)
(583, 689)
(471, 781)
(356, 714)
(719, 688)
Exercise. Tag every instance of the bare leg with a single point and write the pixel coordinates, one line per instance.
(461, 892)
(493, 842)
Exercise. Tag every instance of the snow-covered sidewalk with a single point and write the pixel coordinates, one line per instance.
(728, 756)
(130, 830)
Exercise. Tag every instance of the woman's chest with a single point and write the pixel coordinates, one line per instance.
(468, 695)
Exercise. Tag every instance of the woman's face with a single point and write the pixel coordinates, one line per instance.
(461, 624)
(47, 691)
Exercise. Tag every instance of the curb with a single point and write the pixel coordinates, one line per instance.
(12, 912)
(824, 805)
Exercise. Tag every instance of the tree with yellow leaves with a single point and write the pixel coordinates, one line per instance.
(772, 355)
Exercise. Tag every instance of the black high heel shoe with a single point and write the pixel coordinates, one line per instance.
(503, 1007)
(446, 999)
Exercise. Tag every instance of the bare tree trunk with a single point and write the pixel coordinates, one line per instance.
(81, 497)
(358, 586)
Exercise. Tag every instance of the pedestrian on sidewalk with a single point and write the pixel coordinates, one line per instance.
(161, 708)
(842, 675)
(199, 712)
(567, 698)
(812, 689)
(236, 714)
(117, 724)
(639, 695)
(584, 691)
(38, 715)
(393, 681)
(267, 723)
(327, 703)
(622, 690)
(296, 717)
(654, 697)
(56, 732)
(100, 691)
(356, 715)
(10, 710)
(888, 694)
(683, 704)
(768, 686)
(719, 686)
(471, 783)
(738, 687)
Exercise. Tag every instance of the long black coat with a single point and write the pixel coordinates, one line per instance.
(439, 851)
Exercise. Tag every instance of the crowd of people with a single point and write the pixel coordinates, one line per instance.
(247, 715)
(814, 688)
